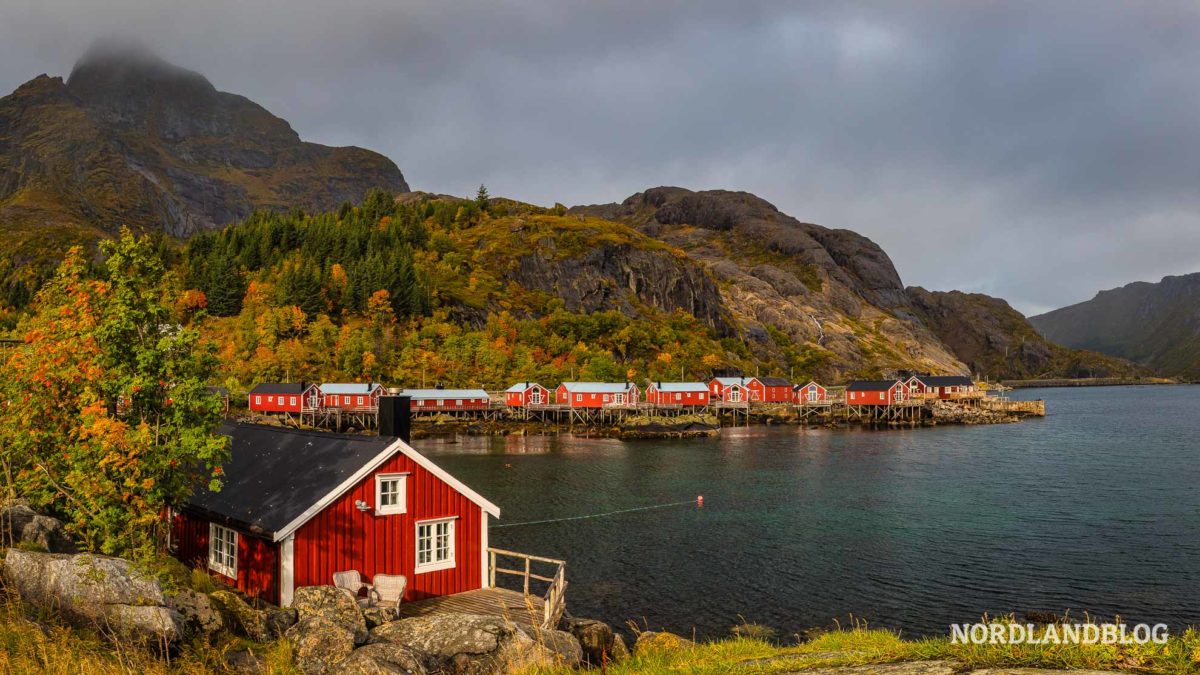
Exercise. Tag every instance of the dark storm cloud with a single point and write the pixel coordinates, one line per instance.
(1038, 152)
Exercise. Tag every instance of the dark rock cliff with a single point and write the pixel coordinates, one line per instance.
(130, 139)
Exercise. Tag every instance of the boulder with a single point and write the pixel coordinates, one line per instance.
(29, 527)
(563, 646)
(199, 615)
(382, 658)
(596, 639)
(262, 625)
(319, 644)
(619, 650)
(98, 591)
(468, 644)
(332, 604)
(377, 616)
(653, 641)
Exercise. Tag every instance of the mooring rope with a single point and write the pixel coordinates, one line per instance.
(597, 515)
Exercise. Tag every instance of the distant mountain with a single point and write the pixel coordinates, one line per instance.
(1156, 324)
(827, 302)
(996, 341)
(130, 139)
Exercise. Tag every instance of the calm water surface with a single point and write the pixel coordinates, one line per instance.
(1096, 507)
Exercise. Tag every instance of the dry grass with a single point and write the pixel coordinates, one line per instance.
(46, 646)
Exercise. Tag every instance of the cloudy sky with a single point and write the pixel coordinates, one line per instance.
(1034, 151)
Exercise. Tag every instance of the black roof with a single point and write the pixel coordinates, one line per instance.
(279, 388)
(275, 474)
(870, 385)
(946, 380)
(775, 381)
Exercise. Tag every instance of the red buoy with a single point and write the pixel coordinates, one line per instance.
(700, 500)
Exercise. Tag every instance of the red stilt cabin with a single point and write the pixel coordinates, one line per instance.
(811, 394)
(597, 394)
(677, 394)
(523, 394)
(351, 397)
(283, 397)
(875, 392)
(298, 506)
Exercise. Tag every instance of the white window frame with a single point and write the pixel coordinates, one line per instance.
(257, 399)
(292, 400)
(401, 505)
(434, 565)
(579, 398)
(228, 537)
(678, 396)
(360, 400)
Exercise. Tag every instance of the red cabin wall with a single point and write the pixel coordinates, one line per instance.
(872, 397)
(431, 404)
(591, 400)
(257, 564)
(343, 538)
(349, 402)
(687, 398)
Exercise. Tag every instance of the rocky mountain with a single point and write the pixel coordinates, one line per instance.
(1156, 324)
(824, 301)
(997, 341)
(129, 139)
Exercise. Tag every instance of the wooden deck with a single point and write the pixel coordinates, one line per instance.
(513, 605)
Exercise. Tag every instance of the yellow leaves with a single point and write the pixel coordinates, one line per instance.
(337, 274)
(663, 357)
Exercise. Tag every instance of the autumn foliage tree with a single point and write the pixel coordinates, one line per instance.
(107, 418)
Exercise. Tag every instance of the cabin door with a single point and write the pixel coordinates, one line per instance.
(535, 397)
(735, 395)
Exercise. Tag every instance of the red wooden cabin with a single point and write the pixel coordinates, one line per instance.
(875, 392)
(764, 389)
(811, 394)
(524, 394)
(597, 394)
(686, 394)
(298, 506)
(946, 386)
(351, 397)
(283, 397)
(448, 400)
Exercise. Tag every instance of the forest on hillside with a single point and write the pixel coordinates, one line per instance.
(414, 293)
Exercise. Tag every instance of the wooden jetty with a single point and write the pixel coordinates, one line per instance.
(525, 606)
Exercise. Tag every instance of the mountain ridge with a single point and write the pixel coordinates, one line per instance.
(131, 140)
(1153, 323)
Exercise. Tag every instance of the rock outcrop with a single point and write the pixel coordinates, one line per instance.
(331, 604)
(827, 301)
(20, 524)
(382, 658)
(108, 593)
(319, 644)
(468, 644)
(599, 643)
(262, 625)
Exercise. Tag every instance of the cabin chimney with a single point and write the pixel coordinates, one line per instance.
(395, 416)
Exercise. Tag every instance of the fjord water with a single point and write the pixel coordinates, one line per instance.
(1094, 508)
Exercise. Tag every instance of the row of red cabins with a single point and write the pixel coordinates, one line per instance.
(351, 397)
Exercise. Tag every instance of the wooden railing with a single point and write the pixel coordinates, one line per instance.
(555, 597)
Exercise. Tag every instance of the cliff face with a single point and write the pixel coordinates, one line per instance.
(996, 341)
(1156, 324)
(132, 140)
(828, 302)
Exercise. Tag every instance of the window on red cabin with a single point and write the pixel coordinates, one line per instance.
(360, 400)
(292, 401)
(390, 493)
(257, 400)
(435, 545)
(222, 550)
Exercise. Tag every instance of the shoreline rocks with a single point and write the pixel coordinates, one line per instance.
(110, 594)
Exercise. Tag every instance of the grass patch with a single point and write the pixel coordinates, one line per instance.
(863, 646)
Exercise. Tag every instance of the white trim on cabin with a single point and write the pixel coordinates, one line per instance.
(434, 564)
(287, 572)
(408, 451)
(484, 558)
